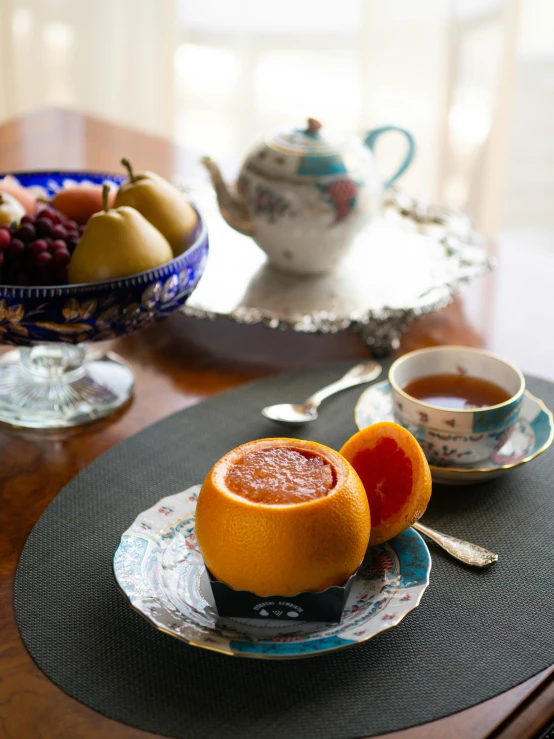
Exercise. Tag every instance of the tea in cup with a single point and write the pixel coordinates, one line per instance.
(460, 403)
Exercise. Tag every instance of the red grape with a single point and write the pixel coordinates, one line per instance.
(38, 251)
(17, 248)
(61, 257)
(51, 215)
(43, 259)
(59, 232)
(26, 232)
(43, 227)
(38, 246)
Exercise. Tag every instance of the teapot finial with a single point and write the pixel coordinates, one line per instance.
(313, 126)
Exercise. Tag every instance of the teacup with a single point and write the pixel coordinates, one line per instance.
(461, 436)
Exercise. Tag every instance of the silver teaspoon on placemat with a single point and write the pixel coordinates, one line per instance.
(465, 551)
(296, 413)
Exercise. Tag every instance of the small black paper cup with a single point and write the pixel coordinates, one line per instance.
(327, 605)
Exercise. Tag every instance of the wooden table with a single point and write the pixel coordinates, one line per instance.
(177, 364)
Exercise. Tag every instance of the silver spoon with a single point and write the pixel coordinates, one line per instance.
(465, 551)
(295, 413)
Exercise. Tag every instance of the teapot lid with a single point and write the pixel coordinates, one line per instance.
(302, 153)
(311, 141)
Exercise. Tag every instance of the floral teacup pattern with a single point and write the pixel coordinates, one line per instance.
(459, 436)
(531, 435)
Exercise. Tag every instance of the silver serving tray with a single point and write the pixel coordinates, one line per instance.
(408, 263)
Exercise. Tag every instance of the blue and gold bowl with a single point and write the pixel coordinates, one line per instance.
(51, 382)
(100, 310)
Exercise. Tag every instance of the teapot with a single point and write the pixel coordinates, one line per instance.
(303, 195)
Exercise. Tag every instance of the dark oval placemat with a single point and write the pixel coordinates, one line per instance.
(475, 634)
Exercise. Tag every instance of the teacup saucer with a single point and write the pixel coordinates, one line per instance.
(159, 569)
(531, 436)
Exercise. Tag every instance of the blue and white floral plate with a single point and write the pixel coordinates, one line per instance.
(532, 435)
(159, 569)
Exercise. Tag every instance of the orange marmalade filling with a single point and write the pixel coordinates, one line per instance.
(280, 475)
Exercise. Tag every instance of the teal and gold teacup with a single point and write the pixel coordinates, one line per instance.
(456, 436)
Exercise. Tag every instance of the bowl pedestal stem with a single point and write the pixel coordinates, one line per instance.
(57, 385)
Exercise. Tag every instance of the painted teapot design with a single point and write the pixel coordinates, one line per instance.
(304, 195)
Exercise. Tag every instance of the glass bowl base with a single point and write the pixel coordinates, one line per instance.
(54, 386)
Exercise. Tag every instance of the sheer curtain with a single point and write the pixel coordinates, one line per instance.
(113, 58)
(215, 75)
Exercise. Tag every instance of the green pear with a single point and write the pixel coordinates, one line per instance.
(162, 204)
(117, 243)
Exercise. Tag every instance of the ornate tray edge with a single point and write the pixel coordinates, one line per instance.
(380, 328)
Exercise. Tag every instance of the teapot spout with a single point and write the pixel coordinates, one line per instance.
(232, 206)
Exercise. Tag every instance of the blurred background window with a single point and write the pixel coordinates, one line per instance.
(473, 80)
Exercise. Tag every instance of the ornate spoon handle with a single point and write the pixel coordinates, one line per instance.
(361, 373)
(465, 551)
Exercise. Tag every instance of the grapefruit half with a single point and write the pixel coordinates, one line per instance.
(395, 474)
(282, 516)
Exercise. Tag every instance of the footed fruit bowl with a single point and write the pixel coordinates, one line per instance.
(51, 381)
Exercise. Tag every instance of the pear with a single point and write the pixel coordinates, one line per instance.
(117, 243)
(161, 203)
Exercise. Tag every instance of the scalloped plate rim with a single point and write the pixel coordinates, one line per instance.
(132, 532)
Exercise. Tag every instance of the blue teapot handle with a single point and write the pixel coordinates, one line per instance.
(371, 139)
